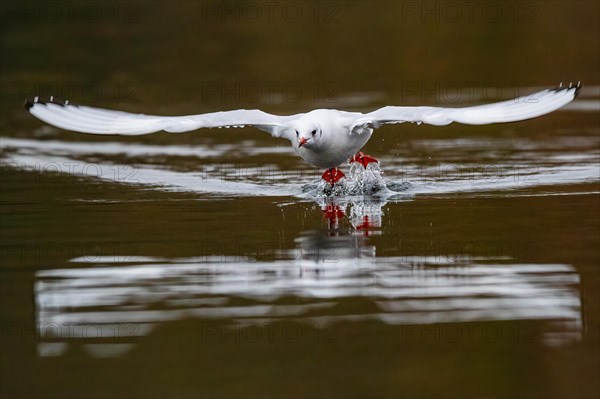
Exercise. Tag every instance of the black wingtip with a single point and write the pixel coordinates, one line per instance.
(53, 100)
(577, 88)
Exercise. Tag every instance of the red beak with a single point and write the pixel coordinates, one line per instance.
(302, 141)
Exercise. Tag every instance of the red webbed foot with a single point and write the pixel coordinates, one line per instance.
(363, 159)
(332, 175)
(333, 212)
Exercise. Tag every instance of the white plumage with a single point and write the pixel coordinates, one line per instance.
(323, 137)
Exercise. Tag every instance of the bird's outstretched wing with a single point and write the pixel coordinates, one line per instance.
(103, 121)
(521, 108)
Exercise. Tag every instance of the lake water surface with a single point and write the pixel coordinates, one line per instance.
(206, 264)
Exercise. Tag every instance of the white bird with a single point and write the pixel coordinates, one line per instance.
(324, 137)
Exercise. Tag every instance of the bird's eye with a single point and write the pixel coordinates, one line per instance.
(297, 134)
(314, 132)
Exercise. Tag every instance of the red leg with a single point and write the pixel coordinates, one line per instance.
(363, 159)
(332, 175)
(366, 225)
(333, 212)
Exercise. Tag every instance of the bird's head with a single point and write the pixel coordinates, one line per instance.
(308, 134)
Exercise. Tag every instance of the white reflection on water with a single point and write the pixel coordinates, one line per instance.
(104, 298)
(522, 165)
(229, 179)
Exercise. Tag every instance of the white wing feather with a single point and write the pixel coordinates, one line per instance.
(521, 108)
(103, 121)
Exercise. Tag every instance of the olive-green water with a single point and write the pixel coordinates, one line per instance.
(195, 265)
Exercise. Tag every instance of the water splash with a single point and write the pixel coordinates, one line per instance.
(359, 181)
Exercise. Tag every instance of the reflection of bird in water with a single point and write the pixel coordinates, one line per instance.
(317, 248)
(364, 215)
(324, 137)
(332, 212)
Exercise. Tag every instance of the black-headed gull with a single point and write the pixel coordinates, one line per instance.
(324, 137)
